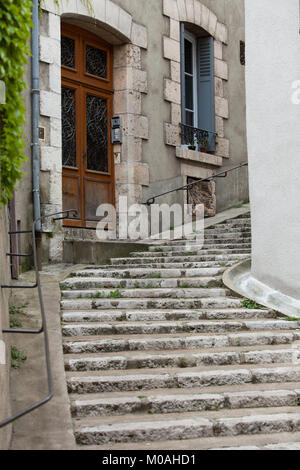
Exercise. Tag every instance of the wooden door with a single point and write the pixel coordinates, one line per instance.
(87, 108)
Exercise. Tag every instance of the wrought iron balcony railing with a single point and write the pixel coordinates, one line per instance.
(200, 139)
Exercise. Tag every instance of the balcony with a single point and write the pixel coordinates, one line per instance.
(197, 139)
(196, 145)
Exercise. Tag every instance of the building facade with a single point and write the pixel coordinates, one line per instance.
(136, 98)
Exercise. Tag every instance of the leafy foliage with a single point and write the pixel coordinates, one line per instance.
(250, 304)
(17, 357)
(15, 27)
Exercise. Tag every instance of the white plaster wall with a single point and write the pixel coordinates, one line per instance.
(273, 64)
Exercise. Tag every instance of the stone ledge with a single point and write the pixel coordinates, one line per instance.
(199, 157)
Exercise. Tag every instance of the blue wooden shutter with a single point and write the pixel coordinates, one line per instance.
(182, 65)
(206, 88)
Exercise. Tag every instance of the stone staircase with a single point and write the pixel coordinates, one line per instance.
(159, 354)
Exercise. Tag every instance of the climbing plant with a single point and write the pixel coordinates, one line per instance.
(15, 28)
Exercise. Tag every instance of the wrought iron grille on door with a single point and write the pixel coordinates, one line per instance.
(87, 106)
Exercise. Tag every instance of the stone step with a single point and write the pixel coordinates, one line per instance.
(213, 251)
(196, 246)
(223, 239)
(246, 216)
(189, 251)
(173, 342)
(278, 441)
(124, 381)
(230, 227)
(151, 303)
(151, 293)
(166, 403)
(252, 422)
(181, 359)
(136, 283)
(149, 328)
(179, 259)
(151, 267)
(207, 233)
(141, 273)
(162, 315)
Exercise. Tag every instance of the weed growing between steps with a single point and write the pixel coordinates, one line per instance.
(17, 357)
(251, 305)
(154, 276)
(101, 295)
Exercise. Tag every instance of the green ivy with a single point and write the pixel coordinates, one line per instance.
(15, 27)
(15, 30)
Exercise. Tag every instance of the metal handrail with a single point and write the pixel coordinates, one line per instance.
(151, 200)
(43, 328)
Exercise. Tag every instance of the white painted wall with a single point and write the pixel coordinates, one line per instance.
(273, 64)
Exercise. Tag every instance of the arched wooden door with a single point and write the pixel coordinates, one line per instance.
(87, 108)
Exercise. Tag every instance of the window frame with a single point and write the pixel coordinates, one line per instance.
(193, 40)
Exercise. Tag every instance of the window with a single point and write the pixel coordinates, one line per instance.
(197, 89)
(190, 81)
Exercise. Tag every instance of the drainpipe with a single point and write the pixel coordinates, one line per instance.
(35, 113)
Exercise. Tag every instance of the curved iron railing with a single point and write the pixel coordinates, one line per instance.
(43, 328)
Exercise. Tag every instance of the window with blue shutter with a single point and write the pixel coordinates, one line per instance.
(197, 84)
(206, 88)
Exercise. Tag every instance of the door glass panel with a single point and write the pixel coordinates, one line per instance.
(96, 62)
(68, 127)
(97, 133)
(68, 52)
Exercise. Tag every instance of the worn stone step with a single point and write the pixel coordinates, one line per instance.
(162, 315)
(180, 359)
(165, 327)
(155, 293)
(236, 231)
(227, 235)
(124, 381)
(151, 303)
(136, 283)
(182, 403)
(211, 251)
(164, 265)
(91, 431)
(229, 226)
(95, 344)
(163, 260)
(139, 273)
(198, 246)
(278, 441)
